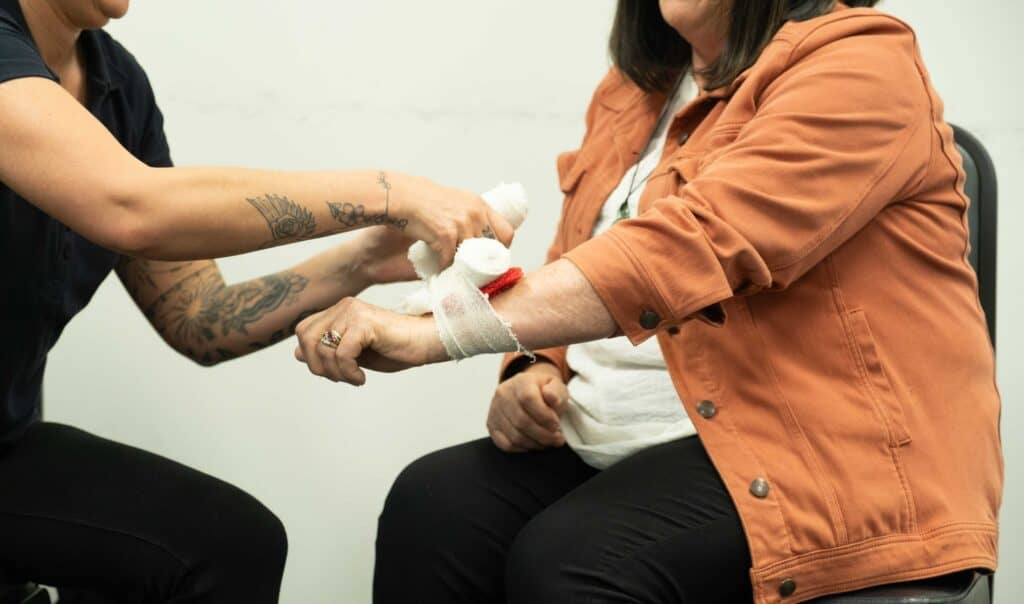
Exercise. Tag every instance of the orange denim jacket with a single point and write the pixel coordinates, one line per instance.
(811, 218)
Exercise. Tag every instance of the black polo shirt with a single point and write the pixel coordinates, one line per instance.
(48, 272)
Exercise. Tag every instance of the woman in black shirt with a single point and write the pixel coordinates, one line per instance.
(86, 187)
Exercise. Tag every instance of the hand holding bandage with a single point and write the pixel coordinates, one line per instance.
(339, 342)
(466, 322)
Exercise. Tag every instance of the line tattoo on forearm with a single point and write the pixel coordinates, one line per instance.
(288, 221)
(201, 310)
(382, 180)
(354, 215)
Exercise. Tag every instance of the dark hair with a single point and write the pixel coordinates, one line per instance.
(652, 54)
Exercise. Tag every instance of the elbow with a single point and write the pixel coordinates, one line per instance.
(130, 235)
(130, 226)
(203, 358)
(205, 361)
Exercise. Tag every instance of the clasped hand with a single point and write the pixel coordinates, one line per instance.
(367, 337)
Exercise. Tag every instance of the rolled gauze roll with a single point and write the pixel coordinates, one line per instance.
(508, 199)
(482, 260)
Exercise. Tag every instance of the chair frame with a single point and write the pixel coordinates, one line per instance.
(987, 204)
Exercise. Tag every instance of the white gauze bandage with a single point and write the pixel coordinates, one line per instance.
(466, 321)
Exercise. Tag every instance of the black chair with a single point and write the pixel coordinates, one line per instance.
(967, 587)
(22, 593)
(982, 217)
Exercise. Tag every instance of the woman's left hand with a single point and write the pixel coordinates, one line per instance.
(338, 343)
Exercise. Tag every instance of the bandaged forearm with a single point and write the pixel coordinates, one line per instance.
(466, 321)
(459, 296)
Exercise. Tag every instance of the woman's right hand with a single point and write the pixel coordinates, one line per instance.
(526, 408)
(442, 217)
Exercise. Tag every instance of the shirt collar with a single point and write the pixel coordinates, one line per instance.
(98, 68)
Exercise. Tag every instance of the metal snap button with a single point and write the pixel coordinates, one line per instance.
(759, 488)
(649, 319)
(706, 409)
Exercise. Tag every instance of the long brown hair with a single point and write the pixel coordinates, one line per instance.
(652, 54)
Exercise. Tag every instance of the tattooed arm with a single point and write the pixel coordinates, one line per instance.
(209, 321)
(61, 159)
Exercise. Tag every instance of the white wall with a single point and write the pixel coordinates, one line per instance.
(468, 93)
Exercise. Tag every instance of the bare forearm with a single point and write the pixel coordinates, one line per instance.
(551, 307)
(554, 306)
(187, 213)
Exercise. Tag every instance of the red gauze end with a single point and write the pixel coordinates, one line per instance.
(505, 281)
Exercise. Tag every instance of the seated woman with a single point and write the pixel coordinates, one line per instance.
(782, 254)
(86, 188)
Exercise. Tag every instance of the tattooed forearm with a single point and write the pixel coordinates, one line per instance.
(288, 221)
(354, 215)
(220, 355)
(200, 311)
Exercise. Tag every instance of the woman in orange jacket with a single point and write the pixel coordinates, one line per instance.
(768, 209)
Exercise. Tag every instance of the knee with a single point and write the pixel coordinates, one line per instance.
(424, 495)
(254, 533)
(225, 544)
(233, 537)
(544, 562)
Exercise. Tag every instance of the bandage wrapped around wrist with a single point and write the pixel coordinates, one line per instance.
(466, 321)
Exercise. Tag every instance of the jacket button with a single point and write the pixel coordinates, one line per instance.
(706, 409)
(649, 319)
(787, 588)
(759, 488)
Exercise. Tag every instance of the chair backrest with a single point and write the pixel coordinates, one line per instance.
(981, 219)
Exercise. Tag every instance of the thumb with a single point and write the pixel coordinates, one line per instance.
(555, 395)
(503, 231)
(445, 250)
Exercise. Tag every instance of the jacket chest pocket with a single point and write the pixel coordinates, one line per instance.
(692, 160)
(571, 169)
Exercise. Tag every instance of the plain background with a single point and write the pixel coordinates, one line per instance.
(467, 92)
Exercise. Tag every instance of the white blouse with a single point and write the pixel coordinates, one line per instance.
(621, 398)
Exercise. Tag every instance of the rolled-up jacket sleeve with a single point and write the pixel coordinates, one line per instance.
(819, 160)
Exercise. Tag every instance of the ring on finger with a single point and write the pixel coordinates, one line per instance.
(331, 338)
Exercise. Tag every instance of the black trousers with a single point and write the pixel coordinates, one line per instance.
(472, 524)
(105, 522)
